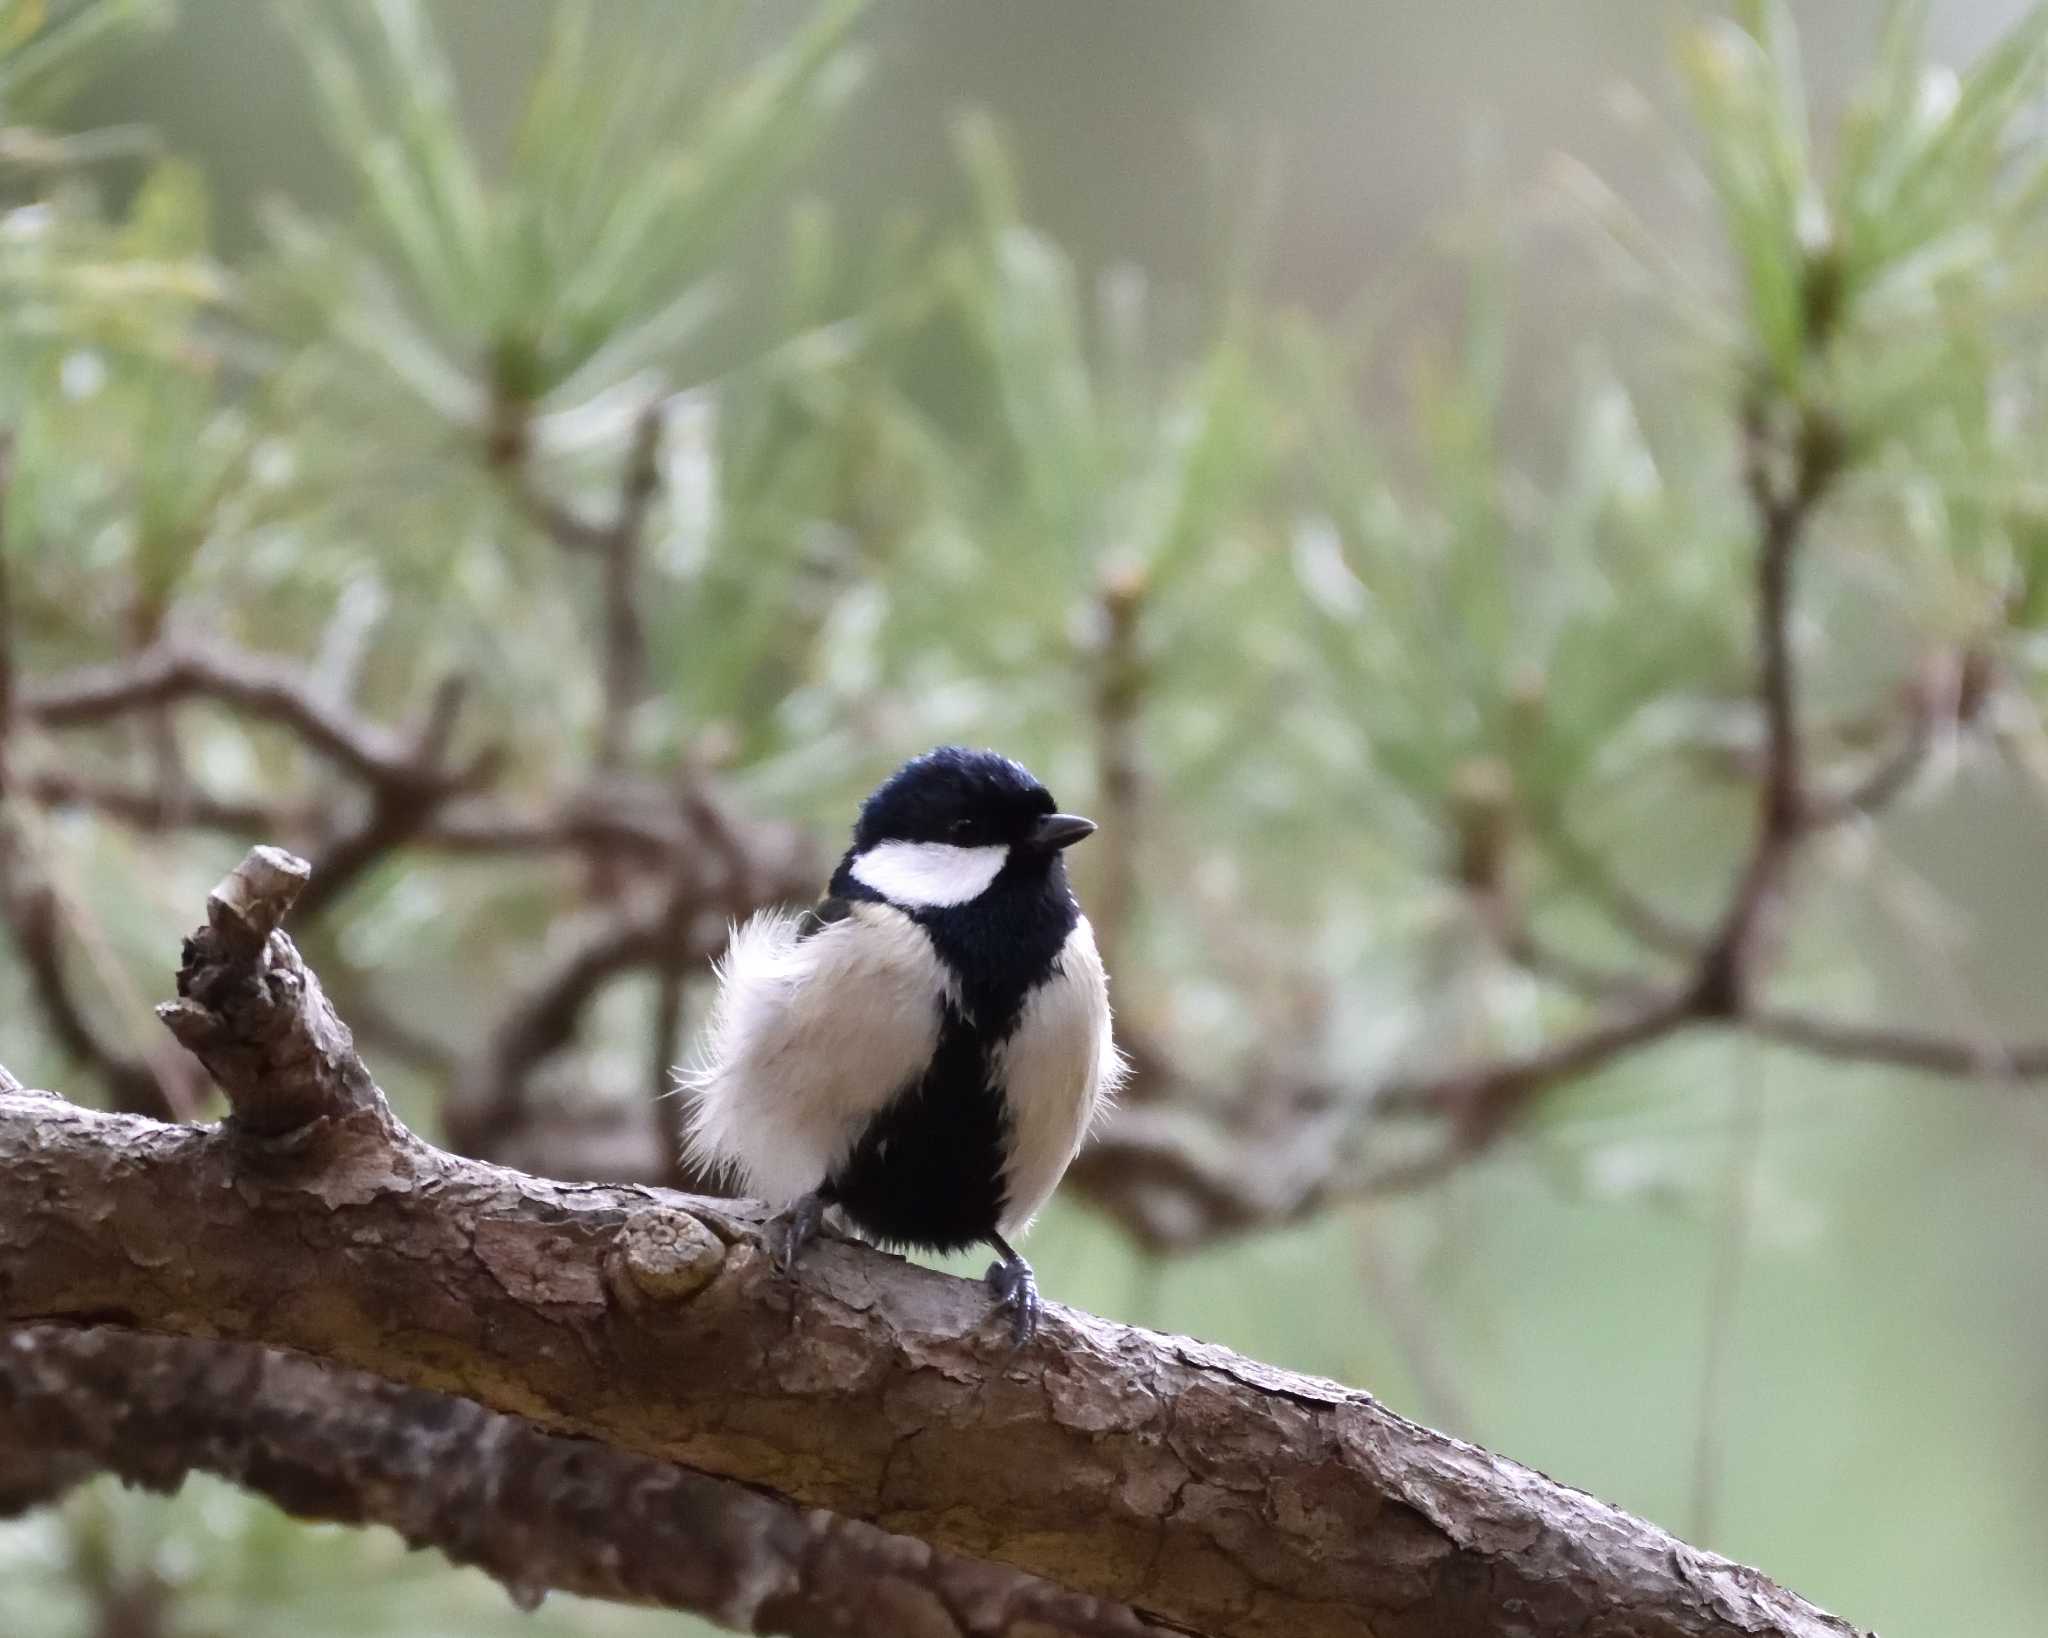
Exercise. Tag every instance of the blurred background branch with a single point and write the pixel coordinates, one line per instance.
(537, 1513)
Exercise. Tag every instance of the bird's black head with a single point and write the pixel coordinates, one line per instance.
(964, 798)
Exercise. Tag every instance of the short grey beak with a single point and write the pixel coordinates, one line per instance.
(1058, 830)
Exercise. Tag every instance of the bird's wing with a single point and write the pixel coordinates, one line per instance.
(823, 914)
(822, 1018)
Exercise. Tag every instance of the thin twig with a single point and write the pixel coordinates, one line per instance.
(557, 521)
(30, 907)
(1783, 505)
(1935, 691)
(149, 808)
(1118, 694)
(1528, 950)
(254, 683)
(625, 639)
(399, 807)
(1622, 904)
(1883, 784)
(542, 1017)
(1906, 1048)
(1481, 1099)
(618, 816)
(1481, 1096)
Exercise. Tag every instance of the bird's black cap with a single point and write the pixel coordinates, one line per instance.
(968, 798)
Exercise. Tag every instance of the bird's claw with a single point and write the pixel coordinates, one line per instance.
(1016, 1288)
(799, 1226)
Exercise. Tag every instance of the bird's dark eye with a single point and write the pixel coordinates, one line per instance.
(962, 830)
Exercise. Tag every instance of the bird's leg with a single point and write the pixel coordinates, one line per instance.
(799, 1228)
(1016, 1289)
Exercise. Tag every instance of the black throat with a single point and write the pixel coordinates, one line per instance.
(1000, 946)
(928, 1170)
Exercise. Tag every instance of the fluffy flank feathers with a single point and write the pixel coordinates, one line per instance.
(756, 976)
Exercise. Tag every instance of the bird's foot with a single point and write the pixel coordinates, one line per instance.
(1016, 1288)
(799, 1227)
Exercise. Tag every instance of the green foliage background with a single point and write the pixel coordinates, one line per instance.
(1396, 534)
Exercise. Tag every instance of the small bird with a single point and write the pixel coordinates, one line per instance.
(926, 1048)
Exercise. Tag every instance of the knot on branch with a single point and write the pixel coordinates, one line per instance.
(254, 1014)
(668, 1255)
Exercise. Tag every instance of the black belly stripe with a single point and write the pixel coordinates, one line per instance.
(927, 1173)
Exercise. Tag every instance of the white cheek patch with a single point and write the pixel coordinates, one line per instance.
(929, 875)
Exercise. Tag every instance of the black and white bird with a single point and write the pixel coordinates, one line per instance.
(925, 1049)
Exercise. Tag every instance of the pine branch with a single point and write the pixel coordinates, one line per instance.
(534, 1510)
(1217, 1494)
(1177, 1182)
(252, 683)
(625, 637)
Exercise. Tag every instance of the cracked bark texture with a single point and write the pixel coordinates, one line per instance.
(534, 1510)
(1210, 1492)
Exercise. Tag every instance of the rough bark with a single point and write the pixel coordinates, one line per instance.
(1156, 1471)
(1214, 1493)
(534, 1510)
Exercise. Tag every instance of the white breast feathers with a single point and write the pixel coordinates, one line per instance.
(1059, 1070)
(808, 1040)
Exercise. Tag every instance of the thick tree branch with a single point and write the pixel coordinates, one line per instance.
(1221, 1495)
(1216, 1493)
(534, 1510)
